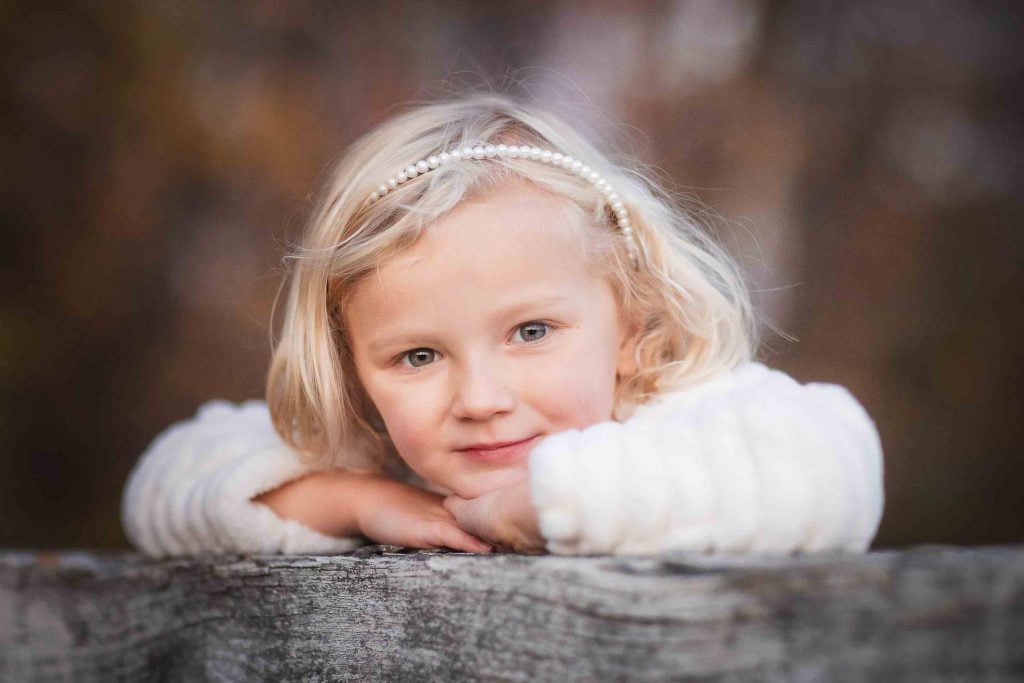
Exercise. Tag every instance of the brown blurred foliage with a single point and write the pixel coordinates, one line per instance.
(861, 159)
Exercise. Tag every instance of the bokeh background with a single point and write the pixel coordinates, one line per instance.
(862, 161)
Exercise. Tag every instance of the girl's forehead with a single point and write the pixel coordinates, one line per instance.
(521, 220)
(492, 248)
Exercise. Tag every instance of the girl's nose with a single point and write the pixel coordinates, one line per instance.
(480, 393)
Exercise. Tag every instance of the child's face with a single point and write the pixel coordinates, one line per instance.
(489, 330)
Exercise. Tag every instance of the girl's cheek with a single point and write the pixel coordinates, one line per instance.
(576, 396)
(413, 448)
(410, 423)
(406, 417)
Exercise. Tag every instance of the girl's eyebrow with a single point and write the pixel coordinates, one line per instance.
(406, 338)
(529, 305)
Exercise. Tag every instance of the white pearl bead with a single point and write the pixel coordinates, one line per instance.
(502, 150)
(422, 166)
(593, 176)
(456, 154)
(402, 177)
(444, 158)
(622, 214)
(601, 184)
(467, 152)
(433, 162)
(478, 152)
(607, 190)
(382, 190)
(535, 153)
(392, 182)
(556, 158)
(584, 171)
(613, 197)
(513, 152)
(490, 151)
(546, 156)
(616, 206)
(576, 166)
(411, 171)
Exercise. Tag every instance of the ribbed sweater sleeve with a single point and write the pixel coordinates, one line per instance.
(749, 462)
(190, 492)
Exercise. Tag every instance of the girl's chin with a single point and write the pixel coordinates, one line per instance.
(477, 485)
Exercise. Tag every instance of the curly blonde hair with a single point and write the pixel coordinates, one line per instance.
(687, 299)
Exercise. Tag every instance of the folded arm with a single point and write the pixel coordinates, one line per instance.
(751, 462)
(225, 482)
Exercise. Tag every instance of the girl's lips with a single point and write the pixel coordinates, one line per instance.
(513, 451)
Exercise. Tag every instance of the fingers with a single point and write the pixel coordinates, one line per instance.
(473, 517)
(455, 538)
(452, 504)
(459, 508)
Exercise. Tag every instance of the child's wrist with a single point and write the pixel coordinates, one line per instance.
(368, 492)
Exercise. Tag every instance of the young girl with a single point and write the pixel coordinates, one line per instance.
(497, 339)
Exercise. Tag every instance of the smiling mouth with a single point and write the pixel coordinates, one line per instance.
(502, 452)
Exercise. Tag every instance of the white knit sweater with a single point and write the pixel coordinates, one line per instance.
(749, 462)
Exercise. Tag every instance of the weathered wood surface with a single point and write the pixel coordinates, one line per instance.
(930, 614)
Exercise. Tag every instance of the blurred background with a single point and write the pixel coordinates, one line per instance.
(861, 160)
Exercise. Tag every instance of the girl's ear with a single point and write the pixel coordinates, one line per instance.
(627, 349)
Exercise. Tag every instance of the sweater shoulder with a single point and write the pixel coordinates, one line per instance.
(220, 429)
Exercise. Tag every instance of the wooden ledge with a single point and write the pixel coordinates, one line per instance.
(928, 613)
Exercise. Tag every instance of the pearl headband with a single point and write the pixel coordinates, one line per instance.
(520, 152)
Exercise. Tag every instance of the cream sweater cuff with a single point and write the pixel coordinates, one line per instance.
(190, 492)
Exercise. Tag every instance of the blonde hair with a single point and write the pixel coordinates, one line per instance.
(687, 299)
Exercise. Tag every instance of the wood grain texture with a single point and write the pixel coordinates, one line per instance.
(930, 613)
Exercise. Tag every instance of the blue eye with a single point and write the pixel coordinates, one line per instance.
(532, 331)
(419, 357)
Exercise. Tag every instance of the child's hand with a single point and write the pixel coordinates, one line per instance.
(394, 513)
(505, 517)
